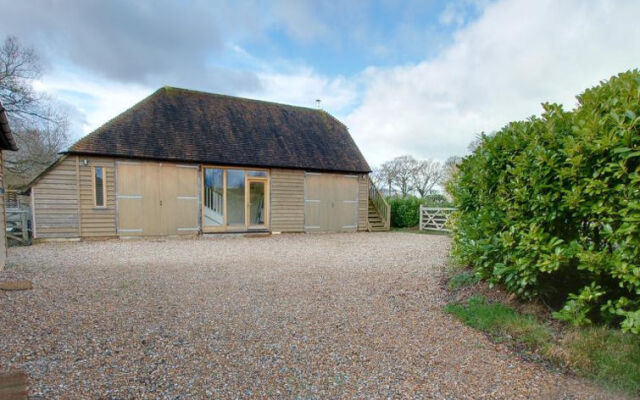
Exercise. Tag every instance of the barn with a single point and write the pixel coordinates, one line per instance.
(6, 143)
(183, 162)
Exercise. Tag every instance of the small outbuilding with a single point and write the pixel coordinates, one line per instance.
(6, 143)
(184, 162)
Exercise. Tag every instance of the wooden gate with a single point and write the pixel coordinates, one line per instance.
(157, 199)
(435, 218)
(331, 202)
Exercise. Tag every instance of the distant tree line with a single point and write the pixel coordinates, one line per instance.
(409, 183)
(404, 176)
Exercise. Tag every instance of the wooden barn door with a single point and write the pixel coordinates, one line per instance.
(129, 199)
(331, 202)
(151, 200)
(314, 202)
(345, 216)
(157, 199)
(180, 200)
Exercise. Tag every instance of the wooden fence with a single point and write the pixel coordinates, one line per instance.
(435, 218)
(15, 199)
(17, 220)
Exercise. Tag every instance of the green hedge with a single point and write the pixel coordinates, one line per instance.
(405, 210)
(550, 207)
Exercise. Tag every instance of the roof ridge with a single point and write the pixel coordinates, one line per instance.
(168, 88)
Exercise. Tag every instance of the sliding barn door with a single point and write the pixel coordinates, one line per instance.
(180, 205)
(345, 216)
(157, 199)
(331, 202)
(129, 199)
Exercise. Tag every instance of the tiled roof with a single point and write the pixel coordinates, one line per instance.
(189, 126)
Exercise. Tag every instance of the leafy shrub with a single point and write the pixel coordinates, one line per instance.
(405, 210)
(550, 206)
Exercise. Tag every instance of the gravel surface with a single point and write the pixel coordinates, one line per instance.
(286, 316)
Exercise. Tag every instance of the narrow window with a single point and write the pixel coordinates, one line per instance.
(98, 186)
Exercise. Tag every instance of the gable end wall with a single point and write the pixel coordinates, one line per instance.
(54, 199)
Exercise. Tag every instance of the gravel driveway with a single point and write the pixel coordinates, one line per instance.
(289, 316)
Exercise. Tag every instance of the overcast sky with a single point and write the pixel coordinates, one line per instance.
(416, 77)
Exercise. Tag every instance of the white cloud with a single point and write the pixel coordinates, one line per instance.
(299, 19)
(96, 100)
(499, 68)
(303, 86)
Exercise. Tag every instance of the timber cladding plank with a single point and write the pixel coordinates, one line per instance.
(363, 202)
(97, 221)
(63, 200)
(55, 201)
(14, 385)
(3, 223)
(287, 200)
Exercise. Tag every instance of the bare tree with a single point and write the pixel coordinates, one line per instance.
(40, 131)
(426, 175)
(37, 149)
(403, 168)
(378, 177)
(19, 67)
(451, 167)
(385, 176)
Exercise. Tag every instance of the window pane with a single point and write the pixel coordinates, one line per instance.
(213, 201)
(256, 202)
(257, 173)
(235, 197)
(99, 182)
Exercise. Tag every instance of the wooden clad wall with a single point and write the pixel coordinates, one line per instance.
(54, 200)
(287, 200)
(3, 226)
(363, 202)
(96, 221)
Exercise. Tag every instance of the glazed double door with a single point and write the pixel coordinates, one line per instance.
(234, 199)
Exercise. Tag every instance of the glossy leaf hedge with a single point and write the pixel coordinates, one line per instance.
(550, 207)
(405, 211)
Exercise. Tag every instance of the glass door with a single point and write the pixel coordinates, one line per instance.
(234, 199)
(256, 203)
(213, 213)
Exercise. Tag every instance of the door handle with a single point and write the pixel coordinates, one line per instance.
(160, 203)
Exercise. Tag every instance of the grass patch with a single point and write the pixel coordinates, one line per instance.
(607, 356)
(463, 279)
(502, 322)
